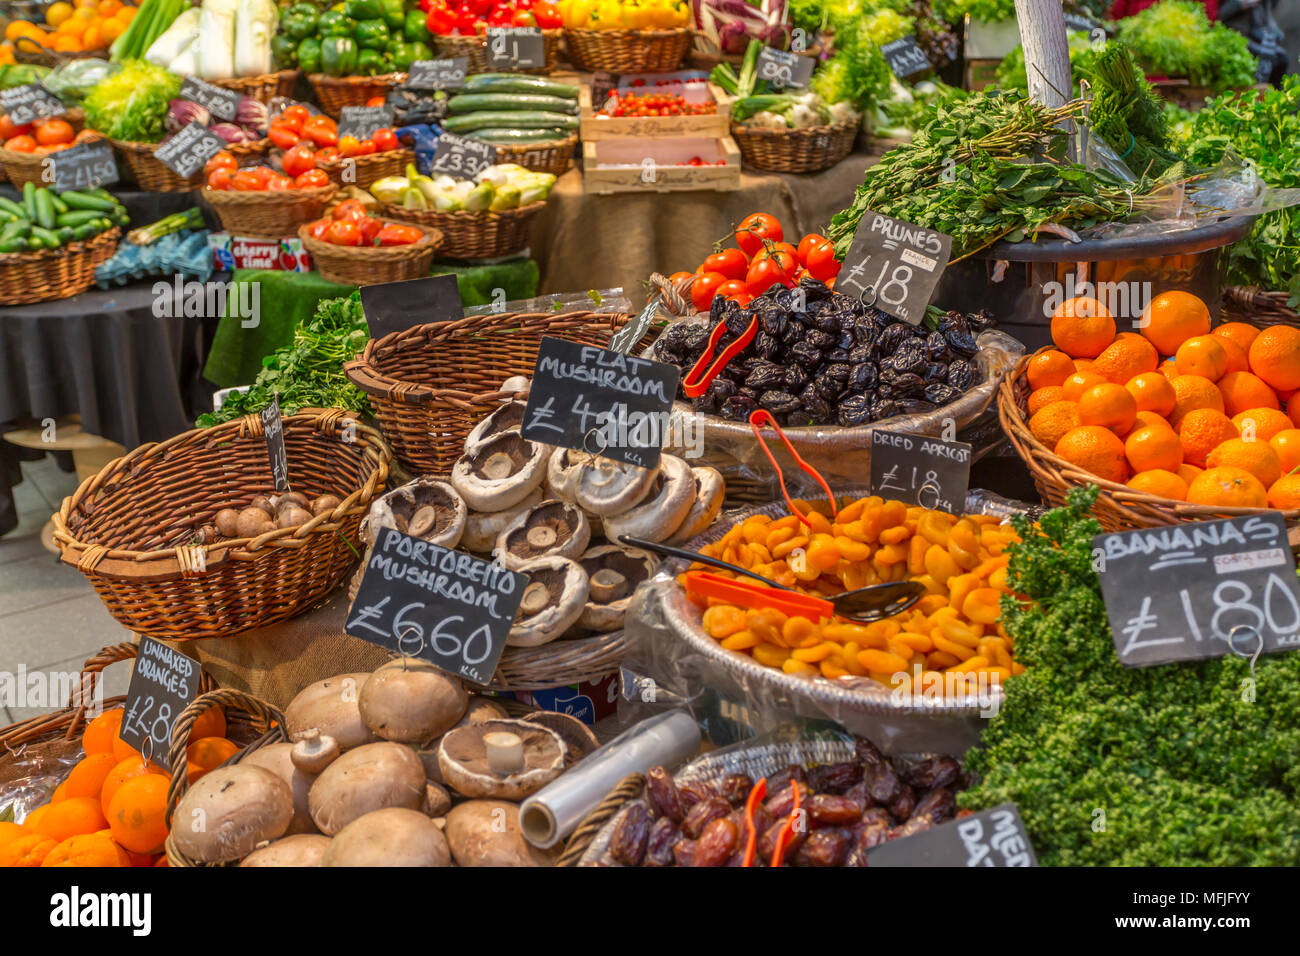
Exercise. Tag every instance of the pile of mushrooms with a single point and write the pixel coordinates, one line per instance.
(265, 514)
(401, 767)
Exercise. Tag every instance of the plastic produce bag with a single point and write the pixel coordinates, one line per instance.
(610, 301)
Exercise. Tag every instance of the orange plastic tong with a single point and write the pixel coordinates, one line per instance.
(702, 374)
(757, 596)
(757, 420)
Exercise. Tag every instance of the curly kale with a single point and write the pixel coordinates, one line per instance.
(1171, 765)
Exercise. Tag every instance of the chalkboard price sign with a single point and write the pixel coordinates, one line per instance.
(223, 104)
(462, 157)
(30, 102)
(394, 306)
(162, 685)
(600, 401)
(784, 70)
(362, 121)
(515, 48)
(1200, 589)
(906, 58)
(894, 265)
(87, 166)
(273, 429)
(449, 608)
(447, 74)
(993, 837)
(920, 470)
(188, 151)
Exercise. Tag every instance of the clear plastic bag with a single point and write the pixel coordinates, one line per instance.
(593, 300)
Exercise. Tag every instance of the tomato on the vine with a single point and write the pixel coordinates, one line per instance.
(805, 246)
(677, 277)
(730, 262)
(767, 272)
(733, 289)
(820, 261)
(704, 288)
(756, 227)
(298, 160)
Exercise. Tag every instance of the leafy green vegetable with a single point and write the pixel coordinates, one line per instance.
(1176, 38)
(1184, 767)
(309, 373)
(988, 11)
(131, 104)
(1127, 114)
(858, 72)
(1011, 71)
(909, 108)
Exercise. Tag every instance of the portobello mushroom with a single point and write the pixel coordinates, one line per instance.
(553, 528)
(710, 489)
(664, 508)
(500, 472)
(552, 601)
(483, 527)
(506, 759)
(613, 573)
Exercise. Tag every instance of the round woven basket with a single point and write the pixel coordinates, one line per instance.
(149, 174)
(431, 384)
(628, 51)
(795, 150)
(473, 235)
(362, 171)
(553, 156)
(369, 265)
(22, 168)
(54, 273)
(131, 528)
(560, 663)
(336, 92)
(475, 50)
(264, 87)
(1118, 507)
(1247, 303)
(267, 215)
(253, 151)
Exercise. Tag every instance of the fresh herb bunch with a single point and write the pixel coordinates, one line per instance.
(1184, 770)
(1012, 75)
(987, 11)
(131, 104)
(857, 73)
(1176, 38)
(1127, 114)
(309, 373)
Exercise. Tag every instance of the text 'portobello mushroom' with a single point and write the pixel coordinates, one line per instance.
(500, 472)
(613, 574)
(553, 528)
(552, 601)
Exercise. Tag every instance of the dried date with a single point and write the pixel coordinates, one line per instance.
(781, 803)
(628, 843)
(826, 847)
(659, 845)
(835, 777)
(735, 788)
(933, 772)
(715, 844)
(662, 795)
(904, 804)
(692, 793)
(828, 809)
(702, 814)
(882, 783)
(684, 852)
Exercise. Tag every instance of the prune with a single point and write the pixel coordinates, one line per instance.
(779, 403)
(821, 340)
(864, 331)
(863, 377)
(864, 353)
(825, 319)
(746, 392)
(806, 354)
(720, 308)
(662, 795)
(796, 379)
(845, 341)
(628, 843)
(773, 322)
(936, 348)
(794, 332)
(738, 408)
(659, 845)
(908, 357)
(735, 788)
(882, 783)
(835, 777)
(933, 772)
(901, 384)
(827, 847)
(902, 806)
(814, 404)
(767, 346)
(839, 371)
(962, 375)
(693, 793)
(702, 814)
(941, 394)
(935, 373)
(853, 411)
(684, 852)
(961, 341)
(893, 336)
(737, 322)
(831, 810)
(980, 321)
(882, 408)
(765, 375)
(828, 388)
(715, 844)
(780, 803)
(814, 289)
(836, 355)
(707, 403)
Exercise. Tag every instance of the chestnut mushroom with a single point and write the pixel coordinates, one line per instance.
(425, 508)
(487, 833)
(500, 472)
(599, 486)
(411, 701)
(506, 759)
(710, 489)
(506, 418)
(553, 528)
(483, 527)
(552, 601)
(227, 523)
(664, 508)
(577, 736)
(613, 573)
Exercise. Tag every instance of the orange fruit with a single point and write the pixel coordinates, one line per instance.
(1152, 392)
(1243, 390)
(1050, 423)
(140, 859)
(30, 849)
(66, 44)
(137, 814)
(1189, 473)
(1042, 397)
(1193, 392)
(87, 777)
(106, 8)
(1238, 360)
(194, 771)
(1227, 486)
(1145, 419)
(1082, 327)
(60, 793)
(87, 849)
(1108, 405)
(128, 769)
(1161, 483)
(1284, 494)
(68, 818)
(1168, 369)
(1275, 357)
(1049, 368)
(100, 733)
(1094, 449)
(1202, 355)
(1256, 457)
(1293, 412)
(1172, 318)
(1287, 446)
(32, 822)
(210, 723)
(1153, 448)
(1127, 356)
(9, 831)
(1201, 431)
(1243, 333)
(1078, 383)
(211, 752)
(1260, 424)
(1083, 365)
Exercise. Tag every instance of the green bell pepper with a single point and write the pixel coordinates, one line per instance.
(409, 53)
(309, 55)
(393, 13)
(284, 51)
(363, 9)
(370, 63)
(335, 23)
(415, 27)
(371, 34)
(338, 56)
(300, 21)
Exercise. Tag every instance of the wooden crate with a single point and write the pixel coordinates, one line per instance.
(629, 165)
(711, 126)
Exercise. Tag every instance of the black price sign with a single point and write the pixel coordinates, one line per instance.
(448, 74)
(920, 470)
(223, 104)
(1200, 589)
(894, 265)
(30, 102)
(906, 58)
(515, 48)
(462, 157)
(993, 837)
(1077, 21)
(450, 608)
(362, 121)
(188, 151)
(394, 306)
(273, 429)
(600, 401)
(87, 166)
(784, 70)
(162, 685)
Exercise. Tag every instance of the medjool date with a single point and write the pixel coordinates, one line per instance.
(628, 843)
(684, 852)
(735, 788)
(827, 847)
(693, 793)
(661, 793)
(933, 772)
(882, 783)
(659, 845)
(835, 777)
(702, 814)
(902, 806)
(829, 809)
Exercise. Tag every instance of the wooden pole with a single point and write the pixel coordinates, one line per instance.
(1047, 52)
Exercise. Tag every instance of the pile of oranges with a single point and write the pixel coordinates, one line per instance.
(112, 808)
(1174, 410)
(82, 25)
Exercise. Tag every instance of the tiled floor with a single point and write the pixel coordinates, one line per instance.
(50, 618)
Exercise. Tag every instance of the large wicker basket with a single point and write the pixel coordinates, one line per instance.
(150, 174)
(369, 265)
(794, 150)
(552, 156)
(473, 235)
(363, 171)
(264, 87)
(1247, 303)
(252, 152)
(431, 384)
(475, 50)
(336, 92)
(54, 273)
(1118, 507)
(22, 168)
(131, 528)
(628, 51)
(267, 215)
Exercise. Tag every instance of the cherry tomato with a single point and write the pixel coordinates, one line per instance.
(754, 229)
(703, 289)
(283, 137)
(220, 178)
(349, 209)
(770, 247)
(385, 140)
(322, 131)
(342, 233)
(349, 146)
(366, 147)
(298, 160)
(222, 159)
(731, 288)
(466, 23)
(52, 132)
(677, 277)
(820, 261)
(730, 262)
(311, 179)
(523, 18)
(251, 180)
(764, 274)
(805, 246)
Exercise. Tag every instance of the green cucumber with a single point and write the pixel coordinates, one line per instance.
(469, 102)
(15, 230)
(66, 234)
(8, 217)
(9, 206)
(60, 207)
(17, 244)
(46, 238)
(29, 200)
(523, 120)
(515, 83)
(44, 209)
(85, 231)
(80, 200)
(506, 136)
(78, 217)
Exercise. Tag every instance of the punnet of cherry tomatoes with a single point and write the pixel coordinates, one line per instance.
(43, 136)
(348, 224)
(469, 18)
(654, 104)
(761, 259)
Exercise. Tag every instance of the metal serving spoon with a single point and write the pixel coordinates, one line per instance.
(863, 605)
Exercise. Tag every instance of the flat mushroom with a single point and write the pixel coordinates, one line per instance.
(663, 510)
(553, 528)
(483, 527)
(507, 417)
(425, 508)
(613, 573)
(577, 736)
(487, 833)
(500, 472)
(552, 601)
(599, 486)
(710, 489)
(505, 759)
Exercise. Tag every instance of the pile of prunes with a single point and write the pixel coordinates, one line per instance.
(836, 361)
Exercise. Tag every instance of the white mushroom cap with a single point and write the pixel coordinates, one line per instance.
(613, 573)
(552, 528)
(599, 486)
(425, 508)
(552, 601)
(483, 527)
(499, 472)
(507, 417)
(662, 512)
(710, 489)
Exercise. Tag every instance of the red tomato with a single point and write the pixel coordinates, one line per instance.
(548, 15)
(319, 228)
(397, 234)
(283, 137)
(805, 245)
(279, 182)
(385, 139)
(369, 227)
(349, 146)
(22, 143)
(220, 178)
(730, 262)
(731, 289)
(8, 130)
(342, 233)
(770, 247)
(742, 299)
(299, 160)
(754, 229)
(440, 22)
(703, 289)
(53, 132)
(223, 159)
(366, 147)
(765, 273)
(677, 277)
(311, 179)
(330, 154)
(820, 261)
(349, 209)
(523, 18)
(251, 180)
(297, 113)
(321, 130)
(376, 101)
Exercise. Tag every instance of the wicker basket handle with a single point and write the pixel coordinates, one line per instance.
(363, 375)
(629, 788)
(674, 298)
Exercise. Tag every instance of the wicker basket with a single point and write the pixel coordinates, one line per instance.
(267, 215)
(1246, 303)
(475, 50)
(336, 92)
(362, 171)
(252, 152)
(431, 384)
(1118, 507)
(628, 51)
(369, 265)
(149, 174)
(795, 150)
(554, 156)
(263, 88)
(130, 528)
(51, 274)
(473, 235)
(269, 723)
(560, 663)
